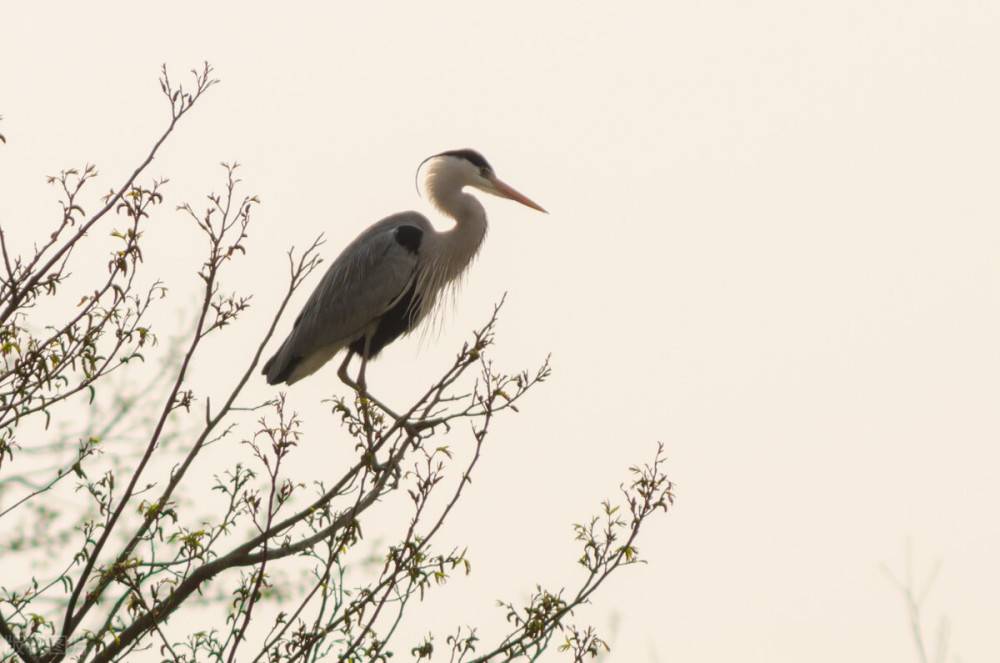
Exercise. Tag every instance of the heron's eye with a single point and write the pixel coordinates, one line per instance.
(484, 173)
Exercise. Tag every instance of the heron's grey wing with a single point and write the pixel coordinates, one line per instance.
(361, 284)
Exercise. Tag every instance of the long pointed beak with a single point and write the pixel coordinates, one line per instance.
(506, 191)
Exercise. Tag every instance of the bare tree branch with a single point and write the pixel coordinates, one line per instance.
(128, 547)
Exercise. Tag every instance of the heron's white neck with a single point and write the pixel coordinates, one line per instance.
(458, 246)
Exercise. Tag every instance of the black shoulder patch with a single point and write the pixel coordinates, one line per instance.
(409, 237)
(473, 157)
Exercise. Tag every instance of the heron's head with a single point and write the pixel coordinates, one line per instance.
(462, 168)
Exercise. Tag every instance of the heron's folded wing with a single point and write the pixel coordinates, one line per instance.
(361, 284)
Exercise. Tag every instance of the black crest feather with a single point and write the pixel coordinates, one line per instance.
(473, 157)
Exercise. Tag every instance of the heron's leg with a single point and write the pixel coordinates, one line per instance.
(362, 384)
(362, 388)
(342, 371)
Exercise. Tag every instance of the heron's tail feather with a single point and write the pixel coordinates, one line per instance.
(289, 366)
(280, 367)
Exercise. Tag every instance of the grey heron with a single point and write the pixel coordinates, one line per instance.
(391, 276)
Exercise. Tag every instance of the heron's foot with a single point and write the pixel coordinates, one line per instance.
(360, 387)
(404, 423)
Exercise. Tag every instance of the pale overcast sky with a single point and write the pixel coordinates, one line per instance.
(772, 245)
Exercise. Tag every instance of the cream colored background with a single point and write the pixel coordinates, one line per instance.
(773, 245)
